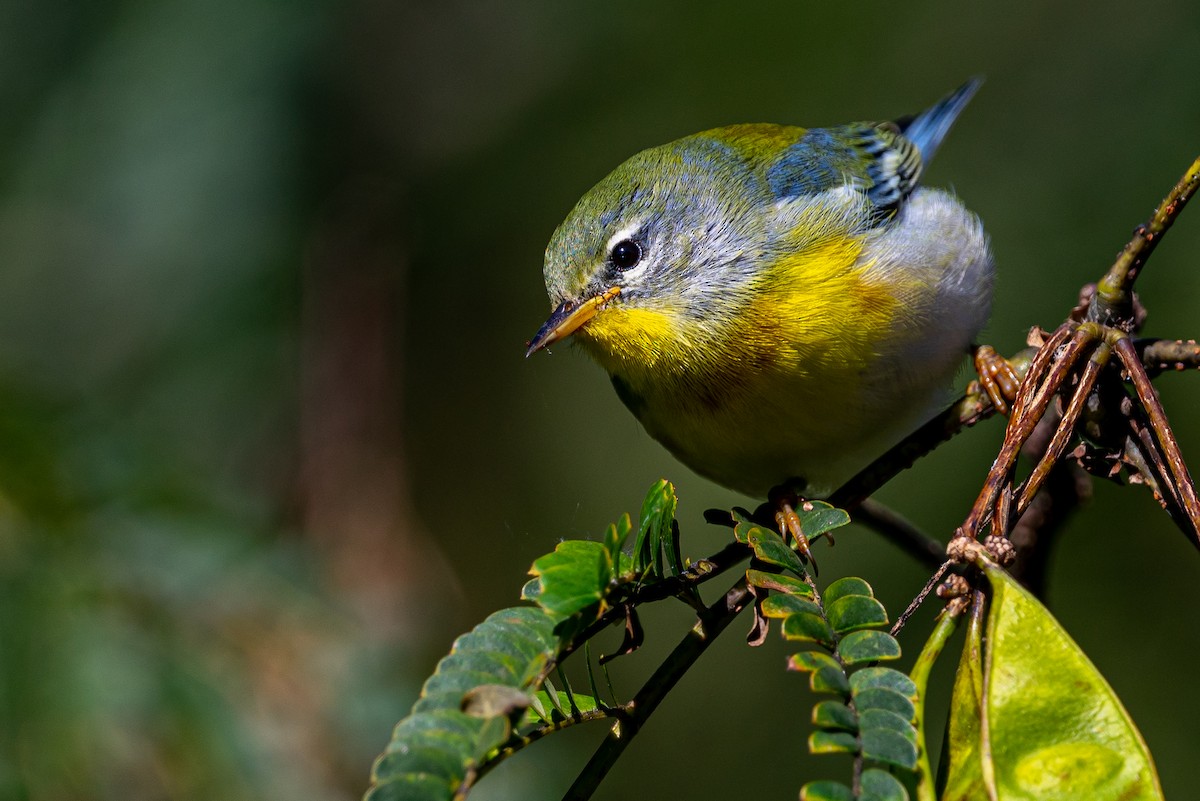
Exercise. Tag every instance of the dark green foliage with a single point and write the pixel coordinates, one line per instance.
(573, 578)
(826, 791)
(769, 548)
(494, 684)
(782, 606)
(883, 678)
(582, 575)
(832, 742)
(835, 715)
(780, 582)
(657, 546)
(494, 694)
(875, 717)
(806, 627)
(855, 612)
(488, 673)
(878, 785)
(868, 646)
(883, 699)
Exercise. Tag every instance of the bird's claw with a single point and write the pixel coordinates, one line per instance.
(997, 377)
(788, 522)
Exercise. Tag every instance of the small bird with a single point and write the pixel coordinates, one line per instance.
(776, 305)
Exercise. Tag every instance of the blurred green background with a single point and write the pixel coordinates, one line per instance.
(267, 438)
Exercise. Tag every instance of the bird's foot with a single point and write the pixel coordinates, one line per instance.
(788, 522)
(998, 377)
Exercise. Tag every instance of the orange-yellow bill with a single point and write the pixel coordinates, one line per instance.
(567, 318)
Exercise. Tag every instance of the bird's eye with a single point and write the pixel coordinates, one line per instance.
(625, 254)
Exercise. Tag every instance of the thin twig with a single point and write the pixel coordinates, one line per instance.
(915, 603)
(1066, 427)
(706, 630)
(1162, 430)
(1030, 405)
(1112, 304)
(1163, 355)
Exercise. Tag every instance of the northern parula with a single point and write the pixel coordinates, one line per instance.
(776, 305)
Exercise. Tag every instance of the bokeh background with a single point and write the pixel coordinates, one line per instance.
(268, 441)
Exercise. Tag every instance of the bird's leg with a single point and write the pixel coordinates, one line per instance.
(998, 377)
(787, 521)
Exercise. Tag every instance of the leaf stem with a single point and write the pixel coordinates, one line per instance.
(947, 624)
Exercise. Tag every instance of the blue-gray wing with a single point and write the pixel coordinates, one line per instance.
(884, 160)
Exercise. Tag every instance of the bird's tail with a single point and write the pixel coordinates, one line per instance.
(927, 129)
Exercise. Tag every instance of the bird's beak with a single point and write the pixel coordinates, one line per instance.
(567, 318)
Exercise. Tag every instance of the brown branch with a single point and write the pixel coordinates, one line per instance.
(1031, 403)
(1185, 487)
(1164, 355)
(1112, 304)
(1065, 429)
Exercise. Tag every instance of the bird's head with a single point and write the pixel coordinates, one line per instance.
(650, 258)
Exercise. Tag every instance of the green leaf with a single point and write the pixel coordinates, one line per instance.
(492, 667)
(494, 732)
(655, 529)
(492, 700)
(965, 767)
(807, 627)
(614, 539)
(832, 742)
(1054, 728)
(820, 518)
(780, 606)
(573, 577)
(581, 703)
(446, 689)
(423, 760)
(501, 668)
(523, 633)
(531, 590)
(846, 587)
(778, 582)
(556, 708)
(447, 729)
(855, 612)
(411, 787)
(812, 661)
(769, 547)
(946, 625)
(826, 791)
(742, 527)
(879, 785)
(884, 677)
(835, 715)
(867, 646)
(885, 719)
(888, 748)
(885, 699)
(554, 697)
(830, 680)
